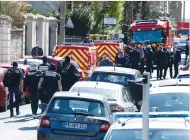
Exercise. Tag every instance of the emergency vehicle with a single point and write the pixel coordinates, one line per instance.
(109, 46)
(84, 54)
(99, 36)
(154, 31)
(183, 29)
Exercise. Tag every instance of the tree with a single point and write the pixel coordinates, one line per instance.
(15, 9)
(82, 19)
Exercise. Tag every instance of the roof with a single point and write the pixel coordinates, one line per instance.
(164, 123)
(102, 85)
(170, 89)
(116, 70)
(175, 82)
(82, 95)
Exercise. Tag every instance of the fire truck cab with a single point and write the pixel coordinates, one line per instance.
(154, 31)
(84, 54)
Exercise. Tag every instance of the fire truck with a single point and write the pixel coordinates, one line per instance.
(86, 55)
(182, 29)
(154, 31)
(109, 46)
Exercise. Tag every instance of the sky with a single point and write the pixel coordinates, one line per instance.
(187, 10)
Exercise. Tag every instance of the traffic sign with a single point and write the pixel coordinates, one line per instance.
(69, 23)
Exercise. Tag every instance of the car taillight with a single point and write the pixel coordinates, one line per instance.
(118, 109)
(105, 126)
(44, 122)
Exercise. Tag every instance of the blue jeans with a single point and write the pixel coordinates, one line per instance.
(14, 91)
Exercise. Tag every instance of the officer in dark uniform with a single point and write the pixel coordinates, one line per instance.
(149, 56)
(135, 59)
(15, 87)
(167, 62)
(44, 66)
(69, 74)
(120, 59)
(161, 61)
(51, 83)
(31, 83)
(177, 60)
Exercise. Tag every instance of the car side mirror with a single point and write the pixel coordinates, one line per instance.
(42, 106)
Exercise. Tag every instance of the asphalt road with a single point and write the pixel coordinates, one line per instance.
(23, 127)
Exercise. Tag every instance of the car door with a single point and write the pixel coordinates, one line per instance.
(128, 104)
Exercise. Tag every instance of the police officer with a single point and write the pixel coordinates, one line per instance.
(31, 83)
(106, 61)
(177, 60)
(69, 74)
(135, 59)
(51, 83)
(141, 49)
(161, 61)
(186, 50)
(44, 66)
(167, 62)
(15, 87)
(149, 55)
(120, 59)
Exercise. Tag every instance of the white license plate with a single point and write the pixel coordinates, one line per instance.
(75, 125)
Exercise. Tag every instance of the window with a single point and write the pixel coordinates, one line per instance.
(185, 76)
(154, 134)
(73, 106)
(125, 96)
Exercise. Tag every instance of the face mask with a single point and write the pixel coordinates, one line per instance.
(107, 58)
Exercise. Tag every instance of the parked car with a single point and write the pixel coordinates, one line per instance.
(75, 115)
(117, 75)
(3, 92)
(31, 62)
(118, 96)
(25, 69)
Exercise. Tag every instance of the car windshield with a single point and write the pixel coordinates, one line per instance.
(153, 36)
(185, 76)
(183, 41)
(169, 102)
(116, 78)
(154, 134)
(110, 94)
(183, 32)
(73, 106)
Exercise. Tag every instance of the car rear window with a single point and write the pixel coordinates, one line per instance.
(185, 76)
(110, 94)
(169, 102)
(112, 78)
(73, 106)
(154, 134)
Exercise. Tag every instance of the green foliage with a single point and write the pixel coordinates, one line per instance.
(82, 19)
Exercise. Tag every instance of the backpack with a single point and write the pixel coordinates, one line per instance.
(7, 78)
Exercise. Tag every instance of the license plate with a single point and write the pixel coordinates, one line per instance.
(75, 125)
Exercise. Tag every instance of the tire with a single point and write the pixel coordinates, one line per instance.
(27, 100)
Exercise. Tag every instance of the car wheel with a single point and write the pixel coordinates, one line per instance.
(27, 100)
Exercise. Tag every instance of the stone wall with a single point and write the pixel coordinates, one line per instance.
(16, 43)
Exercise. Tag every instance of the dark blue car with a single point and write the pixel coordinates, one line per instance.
(76, 116)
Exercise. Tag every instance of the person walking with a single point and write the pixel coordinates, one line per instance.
(13, 79)
(51, 83)
(31, 83)
(120, 59)
(135, 59)
(44, 66)
(187, 50)
(169, 64)
(141, 49)
(37, 51)
(106, 61)
(149, 56)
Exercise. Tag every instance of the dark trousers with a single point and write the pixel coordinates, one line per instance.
(142, 65)
(14, 91)
(166, 68)
(176, 65)
(186, 56)
(149, 69)
(159, 72)
(34, 102)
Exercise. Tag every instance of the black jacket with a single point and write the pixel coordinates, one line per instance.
(37, 51)
(134, 57)
(149, 55)
(177, 56)
(161, 59)
(105, 63)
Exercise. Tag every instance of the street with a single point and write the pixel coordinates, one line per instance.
(24, 126)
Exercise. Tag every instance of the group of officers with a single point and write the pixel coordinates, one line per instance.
(41, 82)
(145, 56)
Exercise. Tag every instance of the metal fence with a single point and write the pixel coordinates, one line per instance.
(74, 38)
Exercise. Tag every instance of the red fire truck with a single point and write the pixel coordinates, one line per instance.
(154, 31)
(183, 29)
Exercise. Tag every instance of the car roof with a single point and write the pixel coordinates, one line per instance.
(81, 96)
(175, 82)
(30, 59)
(51, 57)
(184, 72)
(93, 84)
(116, 70)
(154, 123)
(170, 89)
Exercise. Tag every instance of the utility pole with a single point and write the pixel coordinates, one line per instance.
(61, 39)
(184, 11)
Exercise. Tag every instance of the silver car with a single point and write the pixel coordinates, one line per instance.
(118, 96)
(182, 44)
